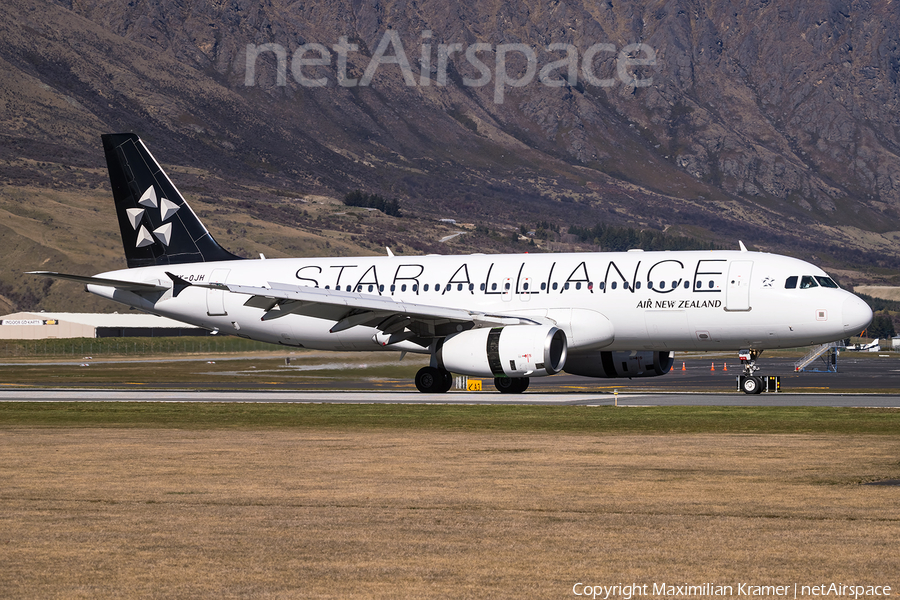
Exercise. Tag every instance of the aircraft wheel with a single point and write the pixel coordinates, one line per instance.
(751, 385)
(447, 382)
(511, 385)
(433, 381)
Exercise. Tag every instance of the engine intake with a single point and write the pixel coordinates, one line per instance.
(611, 364)
(514, 351)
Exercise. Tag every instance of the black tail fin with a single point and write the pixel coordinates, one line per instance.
(158, 227)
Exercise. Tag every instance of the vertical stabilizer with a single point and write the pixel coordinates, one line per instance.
(157, 225)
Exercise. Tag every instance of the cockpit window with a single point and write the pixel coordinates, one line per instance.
(808, 282)
(791, 282)
(826, 282)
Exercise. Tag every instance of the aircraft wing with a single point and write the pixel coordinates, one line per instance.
(351, 309)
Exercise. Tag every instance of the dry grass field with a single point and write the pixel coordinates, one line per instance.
(388, 513)
(879, 291)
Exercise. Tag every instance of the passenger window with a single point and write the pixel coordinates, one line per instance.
(613, 285)
(458, 287)
(403, 288)
(602, 285)
(493, 287)
(808, 282)
(555, 285)
(638, 285)
(687, 284)
(790, 283)
(826, 282)
(425, 287)
(578, 285)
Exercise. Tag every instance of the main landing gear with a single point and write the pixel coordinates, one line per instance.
(511, 385)
(431, 380)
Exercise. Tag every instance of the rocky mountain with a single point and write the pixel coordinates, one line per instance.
(772, 123)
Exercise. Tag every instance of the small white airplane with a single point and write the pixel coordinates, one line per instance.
(510, 317)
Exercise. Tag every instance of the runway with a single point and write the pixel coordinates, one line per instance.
(461, 398)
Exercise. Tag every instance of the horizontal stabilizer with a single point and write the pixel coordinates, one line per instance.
(114, 283)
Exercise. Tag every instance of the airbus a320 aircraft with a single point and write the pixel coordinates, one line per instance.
(510, 317)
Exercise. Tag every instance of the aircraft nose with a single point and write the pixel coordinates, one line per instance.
(857, 315)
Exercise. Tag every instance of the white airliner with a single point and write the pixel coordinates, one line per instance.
(510, 317)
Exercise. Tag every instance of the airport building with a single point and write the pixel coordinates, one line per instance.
(44, 325)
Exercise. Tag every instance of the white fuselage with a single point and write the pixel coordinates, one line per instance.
(715, 300)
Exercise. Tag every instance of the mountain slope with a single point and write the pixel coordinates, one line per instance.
(773, 124)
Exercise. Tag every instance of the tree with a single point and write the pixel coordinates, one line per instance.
(882, 327)
(360, 198)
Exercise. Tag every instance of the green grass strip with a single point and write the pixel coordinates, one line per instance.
(576, 419)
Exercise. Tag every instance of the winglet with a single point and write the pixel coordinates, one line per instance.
(178, 284)
(743, 247)
(389, 251)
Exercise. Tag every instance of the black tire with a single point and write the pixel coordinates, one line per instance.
(523, 384)
(432, 381)
(751, 385)
(511, 385)
(759, 385)
(447, 382)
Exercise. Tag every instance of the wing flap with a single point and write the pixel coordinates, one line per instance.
(351, 309)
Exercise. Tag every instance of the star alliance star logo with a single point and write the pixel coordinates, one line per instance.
(166, 207)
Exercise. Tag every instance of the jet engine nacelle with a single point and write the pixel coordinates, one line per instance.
(512, 351)
(620, 364)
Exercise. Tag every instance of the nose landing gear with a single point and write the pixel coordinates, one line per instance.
(755, 384)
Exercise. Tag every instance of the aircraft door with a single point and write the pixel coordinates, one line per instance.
(215, 299)
(507, 289)
(525, 292)
(737, 289)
